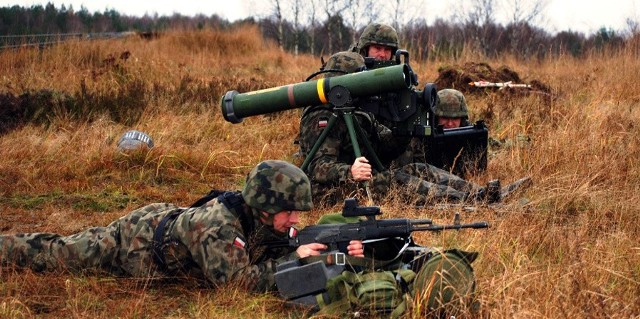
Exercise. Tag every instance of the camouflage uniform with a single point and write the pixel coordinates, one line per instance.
(329, 169)
(206, 241)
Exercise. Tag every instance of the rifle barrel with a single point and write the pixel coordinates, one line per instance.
(454, 226)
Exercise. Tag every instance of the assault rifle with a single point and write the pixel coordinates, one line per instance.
(315, 271)
(338, 236)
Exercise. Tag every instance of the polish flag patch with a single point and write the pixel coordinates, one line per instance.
(238, 242)
(293, 232)
(322, 123)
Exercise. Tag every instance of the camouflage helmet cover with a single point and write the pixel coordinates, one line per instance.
(451, 103)
(274, 186)
(377, 33)
(345, 61)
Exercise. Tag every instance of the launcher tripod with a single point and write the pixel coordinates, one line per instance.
(340, 98)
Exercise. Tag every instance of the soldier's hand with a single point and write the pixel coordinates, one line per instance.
(361, 170)
(356, 248)
(310, 250)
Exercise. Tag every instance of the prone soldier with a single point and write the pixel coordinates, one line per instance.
(218, 240)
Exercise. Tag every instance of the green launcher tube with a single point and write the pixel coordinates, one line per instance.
(236, 106)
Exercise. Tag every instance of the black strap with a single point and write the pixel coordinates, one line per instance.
(206, 198)
(344, 259)
(158, 238)
(403, 284)
(230, 199)
(233, 201)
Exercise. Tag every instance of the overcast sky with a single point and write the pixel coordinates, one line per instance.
(578, 15)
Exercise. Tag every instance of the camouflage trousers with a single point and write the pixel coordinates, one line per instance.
(424, 182)
(433, 183)
(121, 248)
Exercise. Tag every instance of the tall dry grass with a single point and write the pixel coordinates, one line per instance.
(567, 247)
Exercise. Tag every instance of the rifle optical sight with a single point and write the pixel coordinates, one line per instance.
(236, 106)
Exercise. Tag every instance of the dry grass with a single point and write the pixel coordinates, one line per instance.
(570, 250)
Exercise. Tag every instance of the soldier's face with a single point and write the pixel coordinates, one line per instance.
(284, 220)
(449, 122)
(379, 52)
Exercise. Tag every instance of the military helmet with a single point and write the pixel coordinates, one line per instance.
(451, 103)
(274, 186)
(344, 61)
(377, 33)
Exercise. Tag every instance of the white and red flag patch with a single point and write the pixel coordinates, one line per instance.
(238, 242)
(293, 232)
(322, 123)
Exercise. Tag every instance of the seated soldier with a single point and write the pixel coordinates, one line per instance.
(451, 110)
(335, 172)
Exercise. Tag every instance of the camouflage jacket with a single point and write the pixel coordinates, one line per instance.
(330, 166)
(207, 242)
(212, 238)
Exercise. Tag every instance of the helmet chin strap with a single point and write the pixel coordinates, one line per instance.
(266, 218)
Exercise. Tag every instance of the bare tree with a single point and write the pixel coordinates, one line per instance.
(633, 27)
(477, 18)
(333, 8)
(522, 15)
(632, 21)
(475, 12)
(524, 11)
(296, 7)
(403, 12)
(312, 24)
(277, 12)
(371, 12)
(359, 13)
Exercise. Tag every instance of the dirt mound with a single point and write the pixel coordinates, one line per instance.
(458, 77)
(16, 111)
(11, 114)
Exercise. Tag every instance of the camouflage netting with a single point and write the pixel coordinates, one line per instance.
(458, 77)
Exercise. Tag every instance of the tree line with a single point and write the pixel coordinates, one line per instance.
(322, 27)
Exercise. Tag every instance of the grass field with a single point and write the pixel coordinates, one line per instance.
(567, 247)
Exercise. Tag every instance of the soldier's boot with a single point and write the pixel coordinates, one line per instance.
(489, 194)
(493, 191)
(520, 184)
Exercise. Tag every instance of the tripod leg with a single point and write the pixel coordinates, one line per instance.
(374, 157)
(348, 120)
